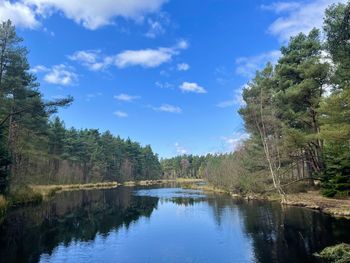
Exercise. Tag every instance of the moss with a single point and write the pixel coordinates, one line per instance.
(336, 254)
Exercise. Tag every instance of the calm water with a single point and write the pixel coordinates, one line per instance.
(164, 225)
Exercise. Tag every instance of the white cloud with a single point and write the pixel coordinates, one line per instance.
(247, 66)
(94, 14)
(183, 67)
(192, 87)
(126, 97)
(180, 149)
(296, 17)
(20, 14)
(168, 108)
(234, 141)
(38, 69)
(148, 58)
(120, 114)
(61, 75)
(90, 59)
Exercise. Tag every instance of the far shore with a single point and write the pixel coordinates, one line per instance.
(336, 207)
(49, 190)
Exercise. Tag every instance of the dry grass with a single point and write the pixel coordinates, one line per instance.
(314, 200)
(3, 205)
(49, 190)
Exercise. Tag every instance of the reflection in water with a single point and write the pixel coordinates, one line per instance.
(70, 216)
(164, 225)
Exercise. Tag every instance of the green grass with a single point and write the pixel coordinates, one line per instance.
(336, 254)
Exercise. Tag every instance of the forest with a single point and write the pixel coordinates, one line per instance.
(297, 113)
(37, 148)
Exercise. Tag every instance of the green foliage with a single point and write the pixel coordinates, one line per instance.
(336, 254)
(184, 166)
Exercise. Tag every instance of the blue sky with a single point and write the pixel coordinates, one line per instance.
(165, 73)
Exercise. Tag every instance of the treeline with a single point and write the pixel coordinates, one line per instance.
(184, 166)
(34, 148)
(297, 113)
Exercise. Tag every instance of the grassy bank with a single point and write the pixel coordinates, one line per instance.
(50, 190)
(311, 199)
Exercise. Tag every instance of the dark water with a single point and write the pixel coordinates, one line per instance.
(164, 225)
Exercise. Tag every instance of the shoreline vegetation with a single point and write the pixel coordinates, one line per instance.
(36, 193)
(336, 207)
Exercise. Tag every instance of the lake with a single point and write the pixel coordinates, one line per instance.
(164, 224)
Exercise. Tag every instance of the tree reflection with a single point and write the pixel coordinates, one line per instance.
(71, 216)
(282, 233)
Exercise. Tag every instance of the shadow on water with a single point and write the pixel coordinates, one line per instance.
(71, 216)
(274, 233)
(283, 233)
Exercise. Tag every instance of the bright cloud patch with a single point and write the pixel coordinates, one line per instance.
(94, 14)
(61, 75)
(20, 14)
(126, 97)
(297, 17)
(192, 87)
(148, 58)
(247, 66)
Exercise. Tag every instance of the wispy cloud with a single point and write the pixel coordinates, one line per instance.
(182, 67)
(92, 59)
(237, 99)
(164, 85)
(247, 66)
(192, 87)
(180, 149)
(120, 114)
(168, 108)
(234, 141)
(156, 26)
(295, 17)
(91, 96)
(126, 97)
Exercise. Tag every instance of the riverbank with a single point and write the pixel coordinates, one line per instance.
(312, 200)
(49, 190)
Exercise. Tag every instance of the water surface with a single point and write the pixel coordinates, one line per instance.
(164, 225)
